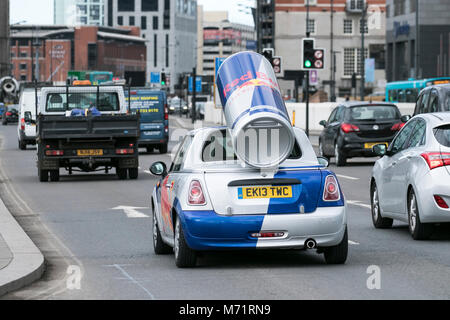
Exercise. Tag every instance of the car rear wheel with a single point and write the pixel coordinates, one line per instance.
(185, 257)
(418, 230)
(159, 247)
(337, 254)
(341, 160)
(378, 221)
(321, 152)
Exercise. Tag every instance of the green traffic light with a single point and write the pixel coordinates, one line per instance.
(308, 64)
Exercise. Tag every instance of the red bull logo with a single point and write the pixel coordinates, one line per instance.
(249, 80)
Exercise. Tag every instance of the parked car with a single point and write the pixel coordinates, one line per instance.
(353, 128)
(411, 182)
(433, 99)
(10, 115)
(26, 127)
(208, 200)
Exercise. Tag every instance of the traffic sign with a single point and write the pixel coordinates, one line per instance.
(155, 77)
(198, 84)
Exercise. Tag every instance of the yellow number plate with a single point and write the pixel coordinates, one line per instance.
(370, 145)
(90, 152)
(265, 192)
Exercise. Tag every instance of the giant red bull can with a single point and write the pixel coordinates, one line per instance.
(254, 110)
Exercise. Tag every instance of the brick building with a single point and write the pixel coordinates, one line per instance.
(59, 49)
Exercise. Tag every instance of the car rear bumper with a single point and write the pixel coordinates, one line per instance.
(354, 146)
(152, 142)
(206, 230)
(435, 182)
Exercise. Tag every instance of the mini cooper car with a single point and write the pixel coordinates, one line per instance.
(209, 200)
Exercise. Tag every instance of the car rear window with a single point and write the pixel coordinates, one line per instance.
(442, 135)
(58, 102)
(376, 112)
(219, 147)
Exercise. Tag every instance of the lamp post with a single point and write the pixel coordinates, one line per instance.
(363, 56)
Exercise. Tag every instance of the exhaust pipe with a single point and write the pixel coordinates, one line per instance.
(310, 244)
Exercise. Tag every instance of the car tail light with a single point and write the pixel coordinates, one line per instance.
(347, 127)
(166, 112)
(267, 234)
(331, 189)
(440, 202)
(397, 126)
(125, 151)
(436, 159)
(54, 153)
(196, 196)
(22, 124)
(8, 113)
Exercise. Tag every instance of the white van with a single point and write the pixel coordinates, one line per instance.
(26, 128)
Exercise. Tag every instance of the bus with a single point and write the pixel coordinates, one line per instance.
(408, 91)
(95, 77)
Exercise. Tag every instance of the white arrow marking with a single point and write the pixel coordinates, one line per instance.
(132, 212)
(357, 203)
(353, 242)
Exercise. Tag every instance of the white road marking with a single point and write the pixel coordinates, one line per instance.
(129, 277)
(347, 177)
(353, 242)
(359, 204)
(132, 212)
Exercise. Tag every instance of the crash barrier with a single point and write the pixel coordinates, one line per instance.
(254, 110)
(317, 112)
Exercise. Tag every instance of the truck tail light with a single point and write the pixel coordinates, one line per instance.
(436, 159)
(54, 153)
(125, 151)
(22, 124)
(166, 112)
(347, 127)
(440, 202)
(196, 196)
(8, 113)
(331, 189)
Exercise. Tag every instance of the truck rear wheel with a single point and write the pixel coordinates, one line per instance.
(43, 175)
(163, 148)
(121, 173)
(54, 175)
(22, 145)
(133, 173)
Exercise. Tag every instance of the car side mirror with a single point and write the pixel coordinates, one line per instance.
(159, 169)
(323, 123)
(380, 149)
(405, 118)
(324, 162)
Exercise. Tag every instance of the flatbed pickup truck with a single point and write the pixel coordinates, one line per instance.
(86, 129)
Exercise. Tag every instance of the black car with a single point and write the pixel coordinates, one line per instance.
(10, 115)
(355, 127)
(433, 99)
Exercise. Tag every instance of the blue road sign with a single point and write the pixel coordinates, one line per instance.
(198, 84)
(155, 77)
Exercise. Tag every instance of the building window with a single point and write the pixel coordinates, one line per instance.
(399, 7)
(348, 26)
(311, 2)
(81, 9)
(23, 77)
(120, 21)
(155, 23)
(23, 66)
(23, 54)
(366, 26)
(352, 61)
(167, 50)
(155, 50)
(149, 5)
(110, 13)
(92, 55)
(412, 6)
(311, 26)
(144, 23)
(125, 5)
(166, 22)
(131, 21)
(377, 52)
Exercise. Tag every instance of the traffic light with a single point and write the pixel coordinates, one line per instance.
(163, 78)
(268, 53)
(276, 64)
(312, 58)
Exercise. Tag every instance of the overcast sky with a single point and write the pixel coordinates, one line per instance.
(41, 11)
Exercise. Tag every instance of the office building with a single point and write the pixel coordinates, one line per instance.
(78, 12)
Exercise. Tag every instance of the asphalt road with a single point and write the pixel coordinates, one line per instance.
(80, 226)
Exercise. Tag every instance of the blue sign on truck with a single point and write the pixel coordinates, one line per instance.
(152, 107)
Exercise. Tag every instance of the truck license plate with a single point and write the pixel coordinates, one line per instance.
(90, 152)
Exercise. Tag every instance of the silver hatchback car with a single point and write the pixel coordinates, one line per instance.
(411, 182)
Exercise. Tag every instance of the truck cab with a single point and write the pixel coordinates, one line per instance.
(151, 105)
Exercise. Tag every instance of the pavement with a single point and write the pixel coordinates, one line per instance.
(21, 262)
